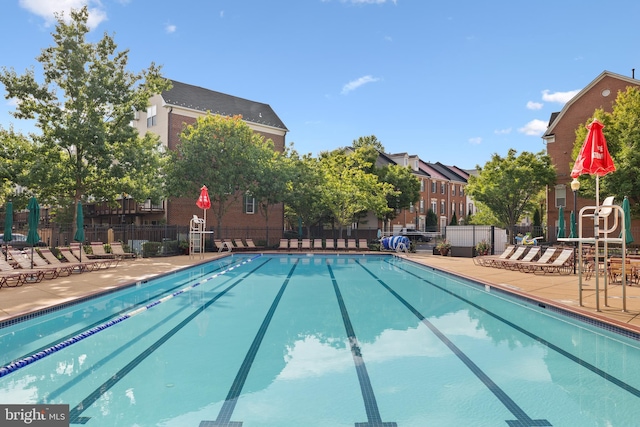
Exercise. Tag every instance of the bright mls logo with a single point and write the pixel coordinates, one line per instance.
(34, 415)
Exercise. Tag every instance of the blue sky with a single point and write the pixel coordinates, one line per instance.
(453, 82)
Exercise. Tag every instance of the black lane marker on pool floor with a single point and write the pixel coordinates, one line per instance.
(370, 404)
(224, 416)
(605, 375)
(523, 420)
(75, 414)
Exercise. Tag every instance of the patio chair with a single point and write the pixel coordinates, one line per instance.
(486, 260)
(240, 244)
(352, 245)
(25, 263)
(563, 264)
(305, 245)
(71, 267)
(530, 256)
(329, 244)
(10, 276)
(98, 252)
(546, 257)
(294, 244)
(221, 246)
(317, 244)
(250, 245)
(284, 244)
(363, 245)
(91, 264)
(116, 248)
(516, 255)
(341, 245)
(615, 270)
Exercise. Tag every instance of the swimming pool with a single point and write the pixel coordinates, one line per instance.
(315, 340)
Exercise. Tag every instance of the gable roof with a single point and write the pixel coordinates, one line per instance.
(197, 98)
(557, 117)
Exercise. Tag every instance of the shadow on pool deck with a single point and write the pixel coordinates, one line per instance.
(561, 290)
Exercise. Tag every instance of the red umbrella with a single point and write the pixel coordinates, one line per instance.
(594, 157)
(204, 202)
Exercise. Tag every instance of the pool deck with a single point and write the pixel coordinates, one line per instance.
(560, 290)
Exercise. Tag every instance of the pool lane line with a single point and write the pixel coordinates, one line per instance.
(74, 414)
(522, 419)
(225, 413)
(605, 375)
(19, 364)
(119, 312)
(370, 404)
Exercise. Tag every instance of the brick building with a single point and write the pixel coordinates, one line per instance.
(560, 137)
(181, 105)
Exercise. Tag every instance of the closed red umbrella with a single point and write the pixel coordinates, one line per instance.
(204, 202)
(594, 157)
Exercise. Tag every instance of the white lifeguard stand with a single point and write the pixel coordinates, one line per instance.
(197, 235)
(601, 235)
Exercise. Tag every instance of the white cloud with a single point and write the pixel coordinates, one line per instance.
(534, 105)
(170, 28)
(559, 97)
(47, 9)
(502, 131)
(534, 128)
(355, 84)
(475, 141)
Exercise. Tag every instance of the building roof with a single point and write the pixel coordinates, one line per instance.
(557, 117)
(197, 98)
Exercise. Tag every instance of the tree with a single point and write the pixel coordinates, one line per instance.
(16, 160)
(405, 184)
(306, 183)
(431, 220)
(349, 190)
(507, 186)
(622, 132)
(454, 219)
(220, 152)
(83, 109)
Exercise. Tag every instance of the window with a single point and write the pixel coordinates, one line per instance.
(433, 188)
(412, 208)
(471, 208)
(442, 188)
(249, 204)
(453, 208)
(442, 208)
(434, 208)
(421, 206)
(421, 185)
(461, 190)
(152, 118)
(453, 191)
(561, 196)
(461, 209)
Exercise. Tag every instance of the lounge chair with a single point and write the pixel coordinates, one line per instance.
(71, 267)
(530, 256)
(98, 252)
(116, 248)
(294, 244)
(317, 244)
(18, 276)
(544, 258)
(329, 244)
(486, 260)
(284, 244)
(76, 247)
(352, 245)
(516, 255)
(363, 245)
(563, 264)
(220, 245)
(240, 244)
(305, 245)
(91, 264)
(341, 245)
(250, 245)
(25, 262)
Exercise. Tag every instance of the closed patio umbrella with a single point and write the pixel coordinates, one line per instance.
(626, 208)
(561, 231)
(8, 226)
(34, 219)
(79, 236)
(574, 232)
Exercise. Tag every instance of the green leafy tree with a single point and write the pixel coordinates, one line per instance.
(507, 186)
(483, 216)
(349, 190)
(431, 220)
(83, 109)
(306, 183)
(454, 220)
(405, 184)
(16, 160)
(217, 151)
(622, 132)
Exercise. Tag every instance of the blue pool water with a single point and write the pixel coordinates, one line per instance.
(314, 340)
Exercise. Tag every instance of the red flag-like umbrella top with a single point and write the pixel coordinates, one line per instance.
(594, 157)
(203, 201)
